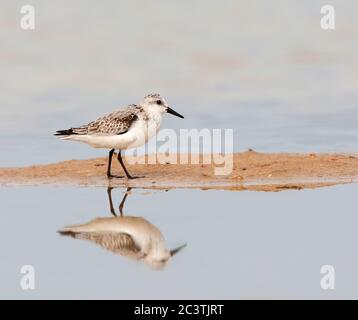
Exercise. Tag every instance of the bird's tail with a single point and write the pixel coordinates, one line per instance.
(72, 230)
(75, 234)
(67, 132)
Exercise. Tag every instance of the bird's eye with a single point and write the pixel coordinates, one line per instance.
(159, 102)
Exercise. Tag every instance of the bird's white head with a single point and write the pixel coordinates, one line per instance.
(158, 259)
(156, 104)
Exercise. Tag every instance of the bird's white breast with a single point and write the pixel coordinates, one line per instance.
(144, 129)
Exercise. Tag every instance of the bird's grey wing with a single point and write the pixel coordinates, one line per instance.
(118, 243)
(117, 122)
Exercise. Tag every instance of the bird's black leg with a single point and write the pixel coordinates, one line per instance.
(109, 193)
(122, 164)
(123, 201)
(109, 163)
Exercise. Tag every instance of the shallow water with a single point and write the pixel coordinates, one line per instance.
(267, 70)
(239, 244)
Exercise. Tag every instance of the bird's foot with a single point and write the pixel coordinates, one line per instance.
(111, 176)
(129, 177)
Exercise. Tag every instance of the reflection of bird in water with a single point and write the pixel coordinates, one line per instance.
(132, 237)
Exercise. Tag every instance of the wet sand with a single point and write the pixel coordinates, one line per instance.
(251, 171)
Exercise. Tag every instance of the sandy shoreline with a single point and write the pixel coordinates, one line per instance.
(251, 171)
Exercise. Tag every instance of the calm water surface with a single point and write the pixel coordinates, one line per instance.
(239, 244)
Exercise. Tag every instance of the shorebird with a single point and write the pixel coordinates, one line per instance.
(129, 127)
(132, 237)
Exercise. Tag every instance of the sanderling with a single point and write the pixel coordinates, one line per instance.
(132, 237)
(123, 129)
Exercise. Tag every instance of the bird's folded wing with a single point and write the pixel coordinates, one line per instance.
(118, 243)
(117, 122)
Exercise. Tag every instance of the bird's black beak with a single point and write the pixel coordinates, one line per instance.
(176, 250)
(171, 111)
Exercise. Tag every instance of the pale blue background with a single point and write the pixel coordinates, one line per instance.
(264, 68)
